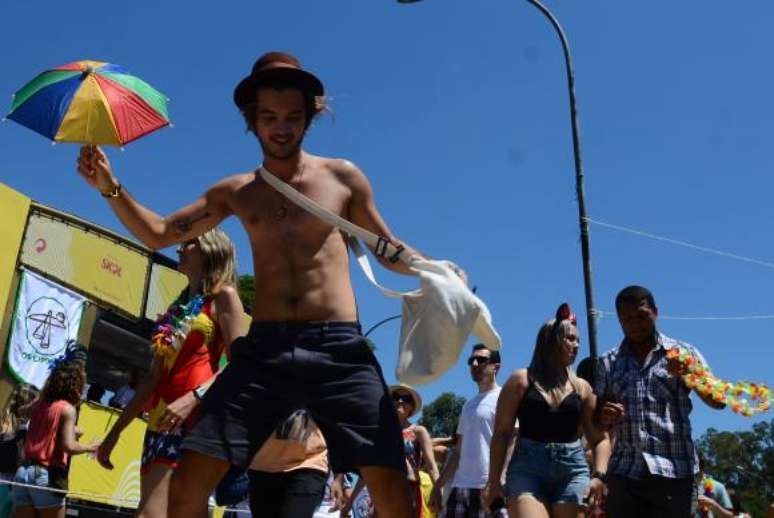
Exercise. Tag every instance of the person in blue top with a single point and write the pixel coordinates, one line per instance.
(644, 399)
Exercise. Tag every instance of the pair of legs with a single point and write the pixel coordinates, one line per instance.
(527, 506)
(326, 368)
(197, 476)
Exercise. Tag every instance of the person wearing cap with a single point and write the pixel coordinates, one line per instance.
(305, 348)
(418, 447)
(468, 465)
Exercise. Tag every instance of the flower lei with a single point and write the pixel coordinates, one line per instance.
(173, 327)
(738, 396)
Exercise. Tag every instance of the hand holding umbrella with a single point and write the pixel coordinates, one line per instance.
(94, 167)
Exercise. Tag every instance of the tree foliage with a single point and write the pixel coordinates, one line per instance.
(743, 461)
(440, 417)
(246, 288)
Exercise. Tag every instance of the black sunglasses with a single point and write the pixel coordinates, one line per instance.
(402, 398)
(482, 360)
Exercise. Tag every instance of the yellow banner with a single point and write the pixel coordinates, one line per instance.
(90, 481)
(96, 265)
(15, 208)
(165, 285)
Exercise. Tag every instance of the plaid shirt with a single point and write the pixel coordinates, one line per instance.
(655, 434)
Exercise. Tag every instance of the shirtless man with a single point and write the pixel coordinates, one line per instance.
(304, 348)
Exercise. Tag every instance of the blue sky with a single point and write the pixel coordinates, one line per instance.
(457, 111)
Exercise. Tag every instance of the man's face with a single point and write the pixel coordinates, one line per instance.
(481, 367)
(638, 321)
(280, 122)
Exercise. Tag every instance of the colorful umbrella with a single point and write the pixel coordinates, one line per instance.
(89, 102)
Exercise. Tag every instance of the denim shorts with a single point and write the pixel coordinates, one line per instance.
(553, 473)
(36, 475)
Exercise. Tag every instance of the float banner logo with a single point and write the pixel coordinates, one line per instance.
(46, 317)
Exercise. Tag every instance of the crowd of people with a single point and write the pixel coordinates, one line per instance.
(301, 422)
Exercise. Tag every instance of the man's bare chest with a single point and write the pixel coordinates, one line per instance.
(267, 214)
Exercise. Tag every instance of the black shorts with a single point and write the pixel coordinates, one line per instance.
(326, 368)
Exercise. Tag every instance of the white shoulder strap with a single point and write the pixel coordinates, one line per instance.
(352, 230)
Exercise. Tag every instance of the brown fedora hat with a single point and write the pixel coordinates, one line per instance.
(274, 65)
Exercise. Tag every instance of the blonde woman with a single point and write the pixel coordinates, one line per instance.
(13, 428)
(187, 342)
(548, 475)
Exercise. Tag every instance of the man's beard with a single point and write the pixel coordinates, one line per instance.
(267, 153)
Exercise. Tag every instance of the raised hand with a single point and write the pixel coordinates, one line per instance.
(94, 167)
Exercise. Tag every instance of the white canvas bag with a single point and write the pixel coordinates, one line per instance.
(437, 318)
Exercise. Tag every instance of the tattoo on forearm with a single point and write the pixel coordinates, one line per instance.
(184, 225)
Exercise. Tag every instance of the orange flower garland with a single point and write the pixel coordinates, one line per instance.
(742, 397)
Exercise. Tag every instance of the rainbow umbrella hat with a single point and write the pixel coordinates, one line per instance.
(89, 102)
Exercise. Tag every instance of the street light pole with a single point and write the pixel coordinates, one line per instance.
(579, 188)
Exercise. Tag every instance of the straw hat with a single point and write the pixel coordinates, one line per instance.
(408, 389)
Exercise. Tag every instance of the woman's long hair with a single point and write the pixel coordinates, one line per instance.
(546, 368)
(219, 268)
(22, 395)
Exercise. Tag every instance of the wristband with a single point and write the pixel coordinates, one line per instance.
(599, 475)
(112, 194)
(199, 392)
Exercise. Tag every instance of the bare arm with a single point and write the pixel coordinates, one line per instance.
(144, 390)
(67, 433)
(363, 212)
(505, 419)
(423, 437)
(229, 315)
(153, 230)
(598, 439)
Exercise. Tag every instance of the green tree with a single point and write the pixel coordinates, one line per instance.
(440, 417)
(743, 461)
(246, 288)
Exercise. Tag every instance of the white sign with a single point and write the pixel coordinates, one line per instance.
(46, 317)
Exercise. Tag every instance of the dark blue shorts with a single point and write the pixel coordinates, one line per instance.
(326, 368)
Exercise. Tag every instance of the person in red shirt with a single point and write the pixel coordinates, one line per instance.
(52, 438)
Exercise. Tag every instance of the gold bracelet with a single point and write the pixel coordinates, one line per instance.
(112, 194)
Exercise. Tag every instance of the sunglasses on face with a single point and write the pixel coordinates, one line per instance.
(482, 360)
(403, 398)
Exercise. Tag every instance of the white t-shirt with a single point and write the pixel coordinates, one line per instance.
(476, 426)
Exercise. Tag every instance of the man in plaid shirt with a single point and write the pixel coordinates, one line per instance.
(643, 399)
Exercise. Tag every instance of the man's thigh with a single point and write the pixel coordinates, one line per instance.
(669, 497)
(623, 498)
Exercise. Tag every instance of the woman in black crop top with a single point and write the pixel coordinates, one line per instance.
(548, 475)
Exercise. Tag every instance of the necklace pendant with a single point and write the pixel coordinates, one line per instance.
(280, 213)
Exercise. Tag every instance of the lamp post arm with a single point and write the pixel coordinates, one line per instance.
(579, 188)
(380, 323)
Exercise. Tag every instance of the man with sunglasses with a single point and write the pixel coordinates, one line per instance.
(468, 465)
